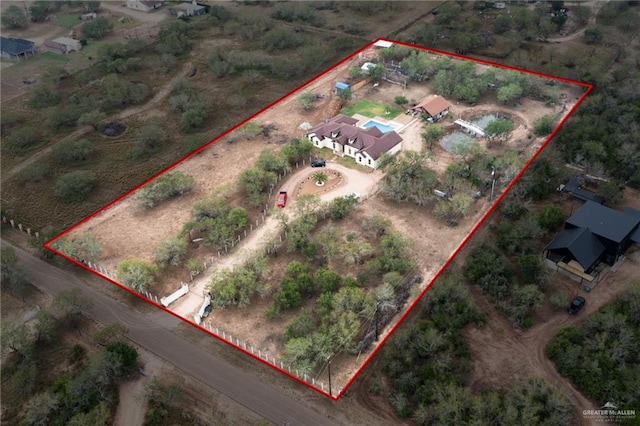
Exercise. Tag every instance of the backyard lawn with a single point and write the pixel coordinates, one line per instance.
(371, 109)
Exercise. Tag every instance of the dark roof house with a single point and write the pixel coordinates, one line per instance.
(575, 188)
(595, 233)
(15, 48)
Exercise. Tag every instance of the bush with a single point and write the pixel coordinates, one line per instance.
(137, 274)
(195, 265)
(72, 152)
(168, 185)
(400, 100)
(96, 29)
(34, 172)
(551, 217)
(559, 301)
(170, 251)
(22, 140)
(543, 125)
(75, 186)
(152, 135)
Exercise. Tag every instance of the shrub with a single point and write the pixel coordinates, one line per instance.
(559, 301)
(543, 125)
(34, 172)
(73, 151)
(195, 265)
(137, 274)
(170, 251)
(551, 217)
(400, 100)
(75, 186)
(168, 185)
(96, 29)
(23, 139)
(152, 135)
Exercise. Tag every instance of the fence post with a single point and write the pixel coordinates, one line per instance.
(29, 231)
(37, 234)
(245, 233)
(13, 225)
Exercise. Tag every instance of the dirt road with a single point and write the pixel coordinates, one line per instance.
(242, 387)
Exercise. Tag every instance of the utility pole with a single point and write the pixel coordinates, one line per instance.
(493, 182)
(376, 319)
(329, 367)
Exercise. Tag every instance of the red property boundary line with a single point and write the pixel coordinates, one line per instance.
(587, 86)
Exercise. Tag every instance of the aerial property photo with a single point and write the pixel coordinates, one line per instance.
(283, 236)
(290, 249)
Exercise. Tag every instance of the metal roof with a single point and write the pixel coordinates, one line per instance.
(581, 243)
(604, 222)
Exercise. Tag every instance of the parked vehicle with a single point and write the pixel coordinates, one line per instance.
(576, 305)
(318, 163)
(281, 201)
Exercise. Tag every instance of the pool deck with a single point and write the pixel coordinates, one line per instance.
(398, 123)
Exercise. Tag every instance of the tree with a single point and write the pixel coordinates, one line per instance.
(39, 11)
(75, 186)
(169, 185)
(153, 134)
(432, 134)
(47, 328)
(69, 305)
(408, 179)
(16, 336)
(97, 28)
(582, 13)
(509, 93)
(71, 152)
(14, 18)
(91, 118)
(592, 35)
(611, 191)
(502, 24)
(255, 183)
(499, 128)
(8, 259)
(23, 139)
(137, 274)
(319, 177)
(170, 251)
(376, 72)
(551, 217)
(543, 125)
(400, 100)
(41, 408)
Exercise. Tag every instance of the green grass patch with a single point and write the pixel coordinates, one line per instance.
(68, 20)
(371, 109)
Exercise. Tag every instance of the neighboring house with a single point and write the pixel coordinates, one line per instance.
(144, 5)
(435, 107)
(364, 145)
(62, 45)
(575, 188)
(594, 234)
(190, 9)
(16, 48)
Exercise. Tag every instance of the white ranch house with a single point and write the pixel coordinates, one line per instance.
(341, 135)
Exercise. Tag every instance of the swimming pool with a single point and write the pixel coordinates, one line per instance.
(384, 128)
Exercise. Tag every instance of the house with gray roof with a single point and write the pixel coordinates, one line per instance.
(16, 48)
(594, 234)
(341, 135)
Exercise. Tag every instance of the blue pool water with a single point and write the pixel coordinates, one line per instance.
(383, 127)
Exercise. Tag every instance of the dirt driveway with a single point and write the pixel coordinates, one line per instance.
(356, 181)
